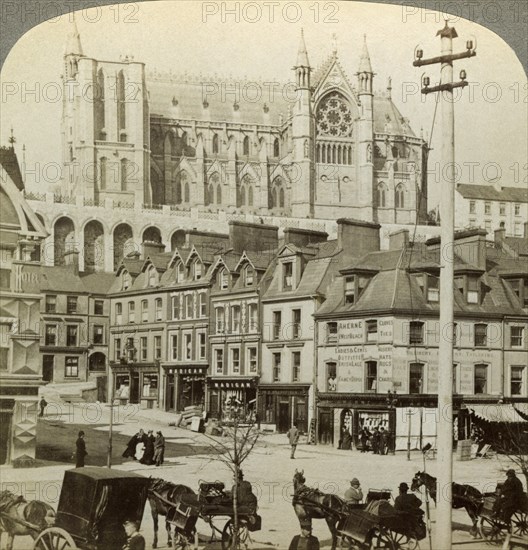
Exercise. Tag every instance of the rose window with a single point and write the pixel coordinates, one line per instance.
(334, 117)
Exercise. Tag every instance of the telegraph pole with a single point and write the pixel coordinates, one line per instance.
(447, 202)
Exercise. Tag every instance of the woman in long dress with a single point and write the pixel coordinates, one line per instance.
(140, 445)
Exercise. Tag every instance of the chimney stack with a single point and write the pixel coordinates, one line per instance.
(303, 237)
(152, 247)
(253, 237)
(469, 245)
(499, 235)
(358, 237)
(399, 239)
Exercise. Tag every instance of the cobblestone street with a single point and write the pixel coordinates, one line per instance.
(269, 469)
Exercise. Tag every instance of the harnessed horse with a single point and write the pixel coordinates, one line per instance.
(162, 496)
(310, 503)
(463, 496)
(18, 517)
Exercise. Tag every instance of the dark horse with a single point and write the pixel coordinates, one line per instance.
(463, 496)
(164, 495)
(18, 517)
(310, 503)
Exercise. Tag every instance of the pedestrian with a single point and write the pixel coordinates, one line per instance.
(382, 441)
(148, 456)
(293, 436)
(43, 404)
(375, 441)
(130, 451)
(135, 540)
(140, 445)
(407, 502)
(364, 438)
(80, 450)
(304, 541)
(159, 448)
(510, 498)
(354, 494)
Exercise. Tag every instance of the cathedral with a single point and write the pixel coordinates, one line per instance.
(321, 147)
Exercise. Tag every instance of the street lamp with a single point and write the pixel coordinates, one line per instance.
(392, 401)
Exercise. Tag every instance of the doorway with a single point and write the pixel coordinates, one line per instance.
(134, 388)
(283, 424)
(326, 427)
(47, 368)
(170, 404)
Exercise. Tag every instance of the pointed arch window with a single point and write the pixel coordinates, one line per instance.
(100, 106)
(399, 197)
(242, 197)
(276, 148)
(250, 196)
(124, 175)
(245, 146)
(215, 144)
(381, 195)
(219, 194)
(281, 197)
(121, 109)
(102, 173)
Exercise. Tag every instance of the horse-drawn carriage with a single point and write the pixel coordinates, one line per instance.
(182, 509)
(93, 504)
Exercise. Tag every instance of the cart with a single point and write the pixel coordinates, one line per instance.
(211, 504)
(494, 529)
(93, 504)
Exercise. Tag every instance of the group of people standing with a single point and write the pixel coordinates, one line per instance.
(146, 448)
(378, 441)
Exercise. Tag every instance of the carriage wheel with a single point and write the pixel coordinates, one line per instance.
(54, 538)
(182, 542)
(491, 530)
(520, 523)
(229, 532)
(385, 538)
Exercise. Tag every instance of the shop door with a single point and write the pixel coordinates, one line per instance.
(134, 388)
(326, 427)
(283, 422)
(301, 414)
(170, 404)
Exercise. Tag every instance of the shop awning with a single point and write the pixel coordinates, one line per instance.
(522, 409)
(496, 413)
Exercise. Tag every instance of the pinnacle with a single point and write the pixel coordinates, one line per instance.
(302, 54)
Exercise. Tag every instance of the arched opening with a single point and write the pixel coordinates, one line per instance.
(151, 234)
(156, 188)
(121, 109)
(276, 148)
(346, 429)
(218, 194)
(245, 146)
(64, 238)
(215, 144)
(381, 195)
(97, 362)
(277, 193)
(123, 243)
(94, 246)
(177, 239)
(399, 197)
(99, 106)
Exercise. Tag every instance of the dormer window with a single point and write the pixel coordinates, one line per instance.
(354, 287)
(520, 289)
(180, 272)
(249, 275)
(152, 279)
(224, 279)
(472, 290)
(126, 281)
(198, 270)
(433, 288)
(287, 276)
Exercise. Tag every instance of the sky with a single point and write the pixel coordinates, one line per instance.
(260, 40)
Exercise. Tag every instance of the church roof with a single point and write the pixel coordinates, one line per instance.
(388, 119)
(9, 161)
(215, 99)
(489, 192)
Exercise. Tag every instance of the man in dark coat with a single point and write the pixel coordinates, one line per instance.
(159, 448)
(293, 436)
(135, 540)
(511, 496)
(375, 441)
(80, 450)
(383, 441)
(130, 451)
(407, 502)
(364, 437)
(304, 541)
(43, 404)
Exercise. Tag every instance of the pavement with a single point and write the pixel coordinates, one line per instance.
(269, 469)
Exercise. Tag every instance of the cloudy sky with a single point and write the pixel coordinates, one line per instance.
(491, 128)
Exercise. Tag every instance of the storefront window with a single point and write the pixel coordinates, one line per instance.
(150, 386)
(122, 386)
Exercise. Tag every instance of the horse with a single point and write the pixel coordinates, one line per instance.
(463, 496)
(310, 503)
(162, 496)
(19, 518)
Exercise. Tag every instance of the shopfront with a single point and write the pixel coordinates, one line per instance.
(231, 398)
(137, 384)
(280, 405)
(184, 387)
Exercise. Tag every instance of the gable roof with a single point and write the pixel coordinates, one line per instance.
(489, 192)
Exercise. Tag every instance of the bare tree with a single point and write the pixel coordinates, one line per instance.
(236, 445)
(512, 441)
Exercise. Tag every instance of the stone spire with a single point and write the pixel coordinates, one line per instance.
(364, 63)
(73, 42)
(302, 55)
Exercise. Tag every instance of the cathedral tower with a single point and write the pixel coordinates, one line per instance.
(302, 198)
(104, 127)
(365, 129)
